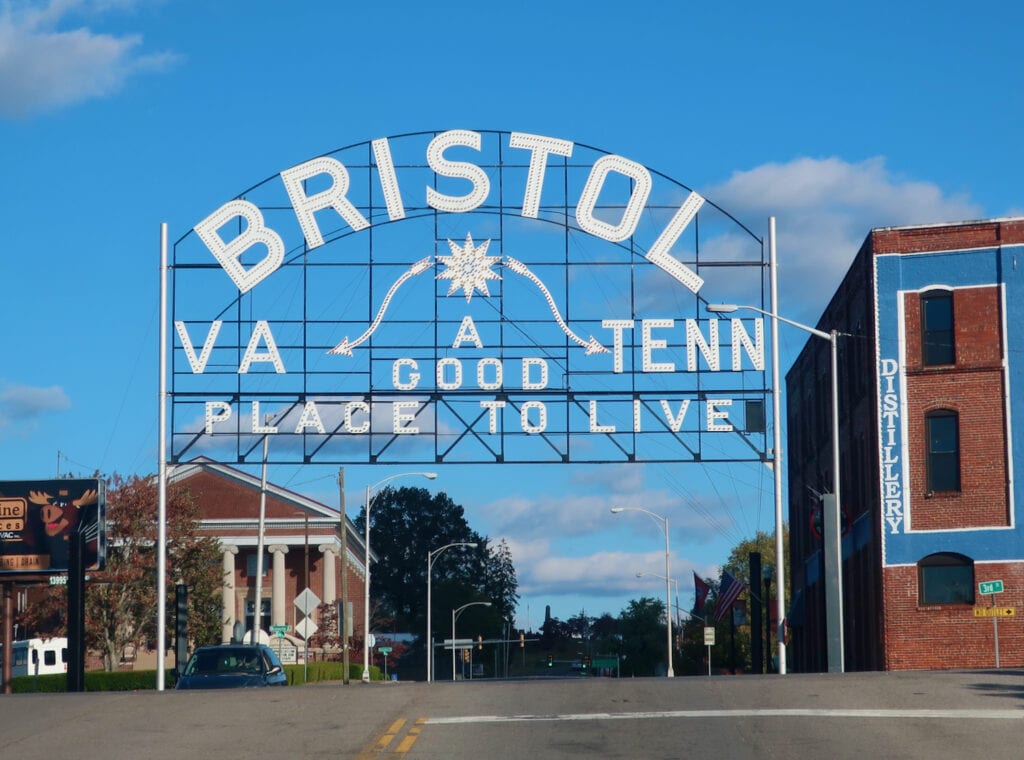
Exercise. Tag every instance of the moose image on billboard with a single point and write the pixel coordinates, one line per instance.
(38, 519)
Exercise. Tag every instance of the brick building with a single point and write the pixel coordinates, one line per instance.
(298, 533)
(931, 380)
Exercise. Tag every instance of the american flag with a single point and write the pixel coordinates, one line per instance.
(728, 591)
(700, 592)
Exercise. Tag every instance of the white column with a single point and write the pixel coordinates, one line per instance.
(277, 608)
(329, 594)
(228, 594)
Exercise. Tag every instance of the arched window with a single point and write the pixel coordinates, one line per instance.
(945, 578)
(942, 437)
(937, 342)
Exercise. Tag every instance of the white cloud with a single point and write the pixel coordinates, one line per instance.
(824, 209)
(21, 405)
(581, 514)
(45, 68)
(610, 574)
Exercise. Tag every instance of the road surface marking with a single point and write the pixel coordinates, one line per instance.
(380, 747)
(794, 713)
(390, 734)
(406, 744)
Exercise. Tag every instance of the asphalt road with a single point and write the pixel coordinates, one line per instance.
(977, 714)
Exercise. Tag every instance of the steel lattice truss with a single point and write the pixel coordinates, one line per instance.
(464, 304)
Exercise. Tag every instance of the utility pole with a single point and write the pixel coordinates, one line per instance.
(343, 613)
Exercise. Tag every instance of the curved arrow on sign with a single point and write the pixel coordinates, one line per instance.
(592, 345)
(345, 347)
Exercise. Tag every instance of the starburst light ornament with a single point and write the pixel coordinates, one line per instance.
(469, 267)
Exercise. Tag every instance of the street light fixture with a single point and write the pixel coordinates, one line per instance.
(833, 540)
(455, 615)
(366, 548)
(663, 523)
(431, 556)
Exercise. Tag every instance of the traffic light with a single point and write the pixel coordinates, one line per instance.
(551, 661)
(522, 640)
(479, 642)
(586, 661)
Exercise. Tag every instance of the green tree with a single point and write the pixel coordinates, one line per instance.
(732, 647)
(605, 627)
(580, 625)
(408, 523)
(642, 628)
(739, 558)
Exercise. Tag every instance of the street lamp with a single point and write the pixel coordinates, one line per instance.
(674, 583)
(455, 615)
(833, 540)
(366, 548)
(663, 522)
(431, 556)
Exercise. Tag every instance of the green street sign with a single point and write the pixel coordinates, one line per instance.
(385, 650)
(990, 587)
(279, 630)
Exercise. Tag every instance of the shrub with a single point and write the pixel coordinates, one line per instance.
(125, 680)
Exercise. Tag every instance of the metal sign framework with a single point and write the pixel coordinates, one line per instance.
(364, 307)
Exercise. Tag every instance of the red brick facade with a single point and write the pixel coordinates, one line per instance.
(885, 624)
(940, 637)
(298, 536)
(947, 237)
(974, 388)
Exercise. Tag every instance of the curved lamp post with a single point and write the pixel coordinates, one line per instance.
(366, 548)
(833, 542)
(663, 524)
(455, 615)
(431, 556)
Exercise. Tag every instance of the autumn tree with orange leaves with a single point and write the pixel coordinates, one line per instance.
(121, 601)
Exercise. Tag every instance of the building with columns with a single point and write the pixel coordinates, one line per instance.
(302, 549)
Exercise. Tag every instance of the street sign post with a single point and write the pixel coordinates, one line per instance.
(990, 587)
(709, 641)
(279, 631)
(307, 601)
(385, 651)
(995, 612)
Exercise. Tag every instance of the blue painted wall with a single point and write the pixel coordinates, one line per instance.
(914, 272)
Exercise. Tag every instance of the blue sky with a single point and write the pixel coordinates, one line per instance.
(117, 115)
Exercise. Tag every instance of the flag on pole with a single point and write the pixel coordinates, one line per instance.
(728, 591)
(700, 592)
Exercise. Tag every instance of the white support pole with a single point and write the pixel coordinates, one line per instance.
(161, 540)
(430, 636)
(780, 558)
(366, 591)
(260, 530)
(670, 673)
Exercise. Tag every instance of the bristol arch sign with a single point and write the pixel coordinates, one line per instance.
(467, 297)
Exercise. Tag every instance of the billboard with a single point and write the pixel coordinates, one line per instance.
(38, 519)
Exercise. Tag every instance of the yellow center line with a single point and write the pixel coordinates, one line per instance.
(389, 736)
(410, 739)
